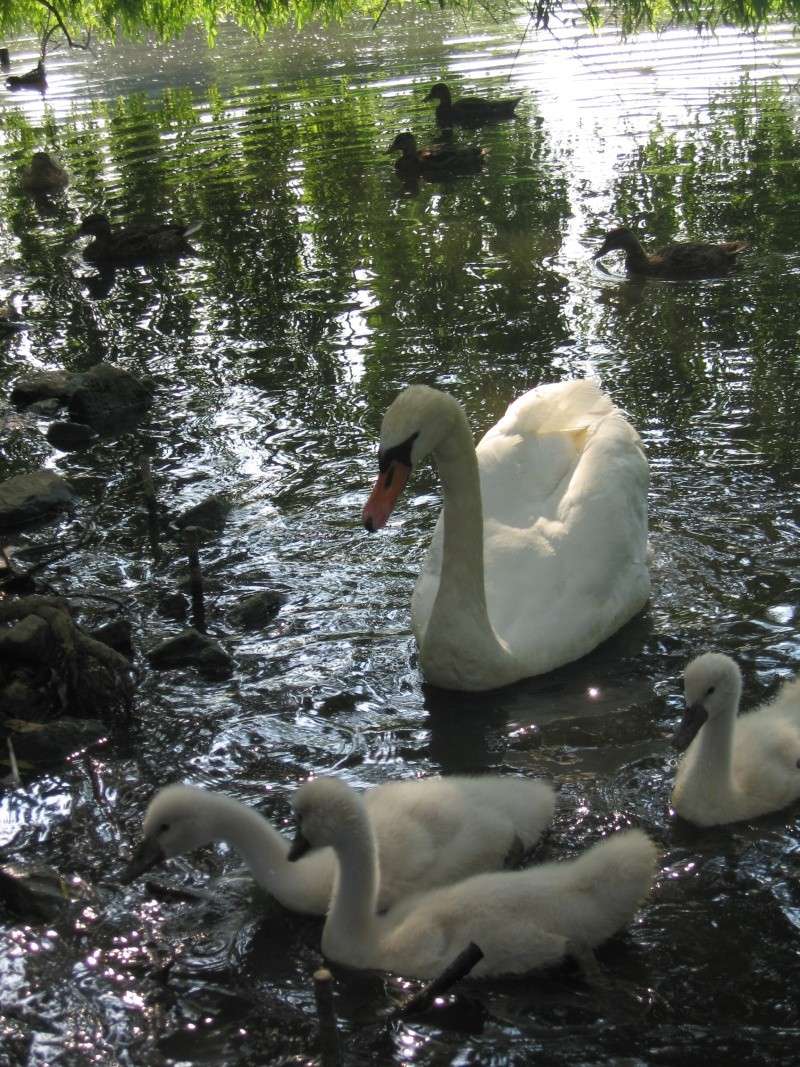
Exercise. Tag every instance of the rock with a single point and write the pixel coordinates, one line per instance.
(46, 385)
(49, 742)
(105, 395)
(29, 640)
(25, 498)
(69, 436)
(36, 894)
(117, 634)
(190, 648)
(254, 612)
(45, 408)
(209, 514)
(49, 666)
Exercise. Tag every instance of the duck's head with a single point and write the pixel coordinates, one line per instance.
(42, 162)
(325, 811)
(96, 225)
(622, 237)
(415, 424)
(439, 91)
(176, 821)
(712, 685)
(405, 143)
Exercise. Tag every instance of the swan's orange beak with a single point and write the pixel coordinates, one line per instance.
(384, 495)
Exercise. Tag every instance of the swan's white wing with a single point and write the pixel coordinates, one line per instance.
(565, 526)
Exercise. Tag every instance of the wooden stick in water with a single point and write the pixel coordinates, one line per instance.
(453, 972)
(330, 1051)
(195, 579)
(151, 504)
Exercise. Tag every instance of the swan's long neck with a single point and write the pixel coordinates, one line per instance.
(459, 636)
(262, 848)
(351, 920)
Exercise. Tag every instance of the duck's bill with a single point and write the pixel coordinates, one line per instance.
(383, 497)
(148, 855)
(300, 845)
(693, 718)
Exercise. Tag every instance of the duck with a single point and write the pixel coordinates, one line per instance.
(31, 79)
(440, 160)
(521, 920)
(470, 110)
(43, 175)
(430, 832)
(136, 243)
(685, 259)
(734, 768)
(540, 551)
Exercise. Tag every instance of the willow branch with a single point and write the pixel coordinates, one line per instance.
(63, 27)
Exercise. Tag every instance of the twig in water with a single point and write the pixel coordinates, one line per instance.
(453, 972)
(330, 1052)
(12, 759)
(152, 507)
(195, 578)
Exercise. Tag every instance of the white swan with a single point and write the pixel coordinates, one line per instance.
(540, 552)
(430, 832)
(734, 768)
(519, 919)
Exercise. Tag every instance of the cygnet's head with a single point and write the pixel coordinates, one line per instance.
(176, 821)
(326, 811)
(712, 685)
(415, 424)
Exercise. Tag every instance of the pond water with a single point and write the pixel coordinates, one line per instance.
(320, 286)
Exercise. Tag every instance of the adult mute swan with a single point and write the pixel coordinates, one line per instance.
(519, 919)
(540, 552)
(430, 832)
(734, 768)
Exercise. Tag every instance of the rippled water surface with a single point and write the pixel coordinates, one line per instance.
(321, 285)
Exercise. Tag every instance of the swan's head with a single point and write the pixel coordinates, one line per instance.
(177, 820)
(622, 237)
(416, 422)
(712, 685)
(326, 811)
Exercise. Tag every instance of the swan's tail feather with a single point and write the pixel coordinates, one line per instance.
(562, 407)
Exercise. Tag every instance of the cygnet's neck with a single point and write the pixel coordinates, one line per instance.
(265, 852)
(713, 760)
(351, 921)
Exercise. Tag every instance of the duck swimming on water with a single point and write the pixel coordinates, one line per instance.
(43, 175)
(470, 110)
(440, 160)
(135, 243)
(684, 259)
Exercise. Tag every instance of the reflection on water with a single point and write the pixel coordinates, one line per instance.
(321, 285)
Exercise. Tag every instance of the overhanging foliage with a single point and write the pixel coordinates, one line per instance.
(167, 18)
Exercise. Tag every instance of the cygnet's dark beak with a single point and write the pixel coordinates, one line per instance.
(148, 855)
(602, 250)
(693, 718)
(299, 847)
